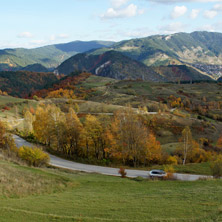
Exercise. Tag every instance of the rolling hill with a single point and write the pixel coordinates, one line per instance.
(49, 56)
(176, 49)
(110, 64)
(177, 73)
(23, 83)
(35, 68)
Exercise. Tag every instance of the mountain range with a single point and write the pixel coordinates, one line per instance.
(114, 64)
(196, 47)
(49, 56)
(201, 51)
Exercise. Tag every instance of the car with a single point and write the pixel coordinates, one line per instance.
(157, 174)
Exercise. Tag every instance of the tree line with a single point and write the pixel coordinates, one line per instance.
(125, 138)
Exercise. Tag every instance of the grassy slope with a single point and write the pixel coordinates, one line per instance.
(12, 103)
(146, 94)
(21, 181)
(105, 198)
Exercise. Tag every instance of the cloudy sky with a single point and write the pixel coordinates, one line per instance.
(34, 23)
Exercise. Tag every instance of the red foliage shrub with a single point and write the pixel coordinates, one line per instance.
(122, 172)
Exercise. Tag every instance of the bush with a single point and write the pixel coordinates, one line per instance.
(216, 167)
(170, 171)
(122, 172)
(172, 160)
(33, 156)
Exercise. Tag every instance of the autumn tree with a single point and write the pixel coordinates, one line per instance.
(41, 125)
(154, 150)
(133, 141)
(6, 141)
(62, 93)
(28, 120)
(95, 136)
(57, 125)
(216, 167)
(219, 142)
(74, 131)
(187, 142)
(2, 135)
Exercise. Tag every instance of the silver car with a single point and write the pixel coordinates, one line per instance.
(157, 174)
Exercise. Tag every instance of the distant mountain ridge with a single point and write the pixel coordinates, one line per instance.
(202, 50)
(49, 56)
(110, 64)
(115, 65)
(180, 48)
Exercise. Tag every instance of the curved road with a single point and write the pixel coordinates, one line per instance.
(66, 164)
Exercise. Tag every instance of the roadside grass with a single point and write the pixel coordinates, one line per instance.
(19, 181)
(106, 198)
(190, 168)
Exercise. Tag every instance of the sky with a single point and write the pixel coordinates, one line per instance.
(35, 23)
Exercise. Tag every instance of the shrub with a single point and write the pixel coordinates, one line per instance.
(170, 171)
(33, 156)
(216, 167)
(172, 160)
(122, 172)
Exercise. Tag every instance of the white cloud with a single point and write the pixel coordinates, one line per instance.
(209, 28)
(25, 35)
(178, 11)
(210, 14)
(129, 11)
(52, 38)
(118, 3)
(181, 1)
(172, 28)
(60, 36)
(217, 7)
(194, 13)
(38, 42)
(136, 33)
(63, 36)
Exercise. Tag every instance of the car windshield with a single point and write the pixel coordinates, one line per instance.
(157, 172)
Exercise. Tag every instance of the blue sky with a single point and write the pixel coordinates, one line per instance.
(34, 23)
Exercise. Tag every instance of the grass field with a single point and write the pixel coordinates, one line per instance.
(15, 105)
(93, 197)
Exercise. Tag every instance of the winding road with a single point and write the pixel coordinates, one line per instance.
(66, 164)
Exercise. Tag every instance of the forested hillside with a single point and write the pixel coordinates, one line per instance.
(23, 83)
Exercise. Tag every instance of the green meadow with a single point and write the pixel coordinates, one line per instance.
(59, 195)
